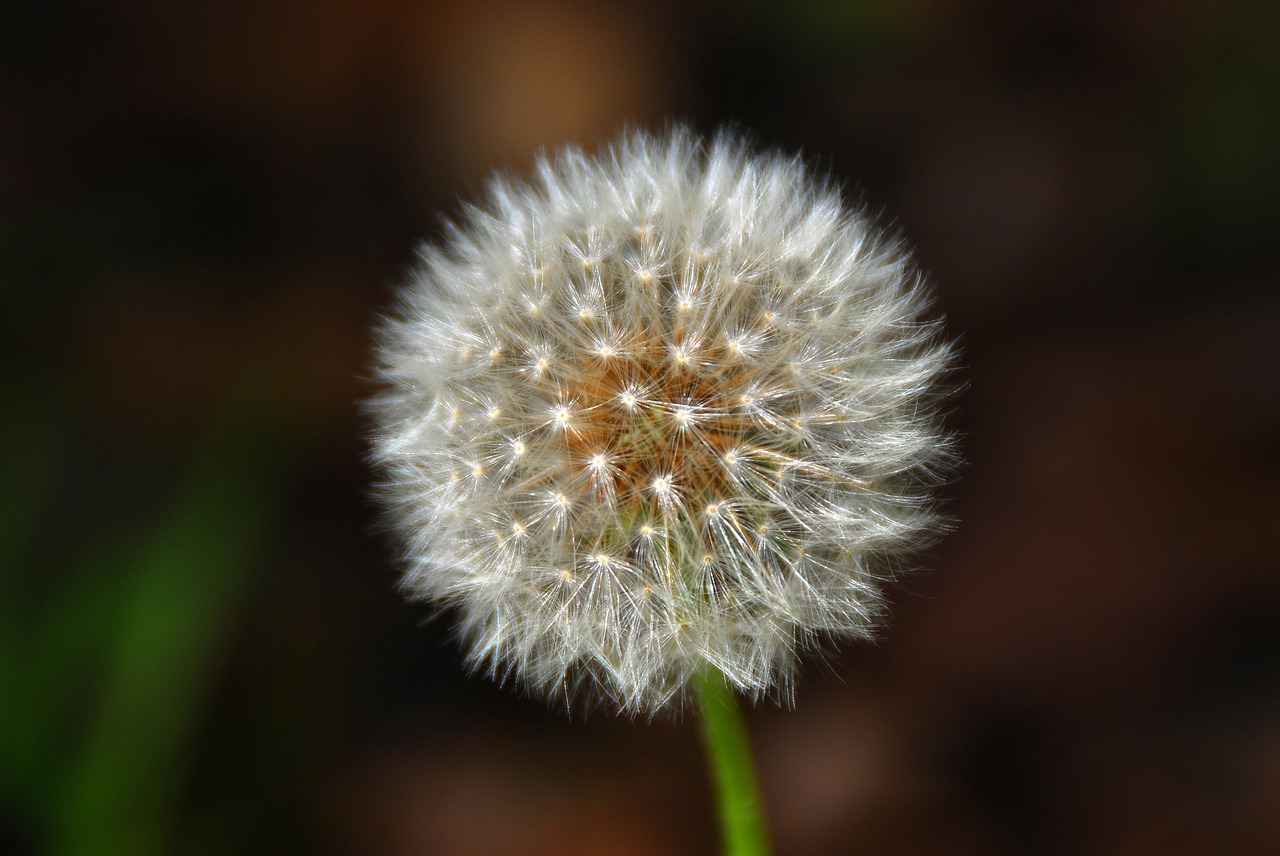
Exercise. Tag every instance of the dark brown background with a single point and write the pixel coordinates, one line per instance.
(203, 206)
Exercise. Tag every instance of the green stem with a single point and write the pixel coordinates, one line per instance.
(742, 826)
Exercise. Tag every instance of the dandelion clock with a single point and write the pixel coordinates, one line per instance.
(656, 422)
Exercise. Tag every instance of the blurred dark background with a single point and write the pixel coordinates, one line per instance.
(203, 206)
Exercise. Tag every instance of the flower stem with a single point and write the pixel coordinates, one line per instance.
(728, 749)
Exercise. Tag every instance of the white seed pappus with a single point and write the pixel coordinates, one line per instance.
(670, 407)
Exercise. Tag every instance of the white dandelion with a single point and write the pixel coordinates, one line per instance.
(668, 408)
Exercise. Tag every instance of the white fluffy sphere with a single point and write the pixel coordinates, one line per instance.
(666, 408)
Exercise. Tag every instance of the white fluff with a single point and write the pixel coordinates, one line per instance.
(667, 407)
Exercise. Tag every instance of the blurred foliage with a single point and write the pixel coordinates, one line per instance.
(111, 670)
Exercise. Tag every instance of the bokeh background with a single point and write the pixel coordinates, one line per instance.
(203, 206)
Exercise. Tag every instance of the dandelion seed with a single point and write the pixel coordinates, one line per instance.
(725, 393)
(563, 416)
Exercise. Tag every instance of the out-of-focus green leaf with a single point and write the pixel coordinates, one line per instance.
(121, 790)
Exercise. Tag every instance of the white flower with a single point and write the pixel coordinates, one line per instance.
(669, 407)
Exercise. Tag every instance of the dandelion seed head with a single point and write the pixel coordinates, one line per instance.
(670, 407)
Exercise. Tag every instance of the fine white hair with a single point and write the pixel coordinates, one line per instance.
(671, 407)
